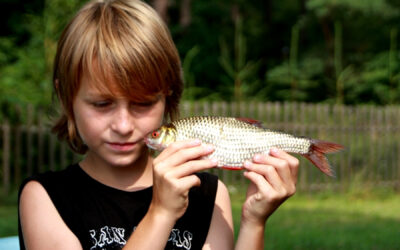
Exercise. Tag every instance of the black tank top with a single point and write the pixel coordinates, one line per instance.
(103, 217)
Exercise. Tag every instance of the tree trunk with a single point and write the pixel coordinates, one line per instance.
(161, 6)
(186, 13)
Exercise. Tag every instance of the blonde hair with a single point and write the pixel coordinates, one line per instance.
(126, 49)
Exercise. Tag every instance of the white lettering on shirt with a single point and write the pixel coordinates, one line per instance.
(106, 237)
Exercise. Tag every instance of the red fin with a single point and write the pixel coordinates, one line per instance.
(318, 149)
(250, 121)
(231, 168)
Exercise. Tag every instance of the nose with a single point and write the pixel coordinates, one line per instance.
(122, 122)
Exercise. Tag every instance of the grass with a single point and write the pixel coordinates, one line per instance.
(333, 221)
(366, 219)
(8, 220)
(8, 215)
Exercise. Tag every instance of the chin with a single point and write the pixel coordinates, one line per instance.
(126, 160)
(123, 161)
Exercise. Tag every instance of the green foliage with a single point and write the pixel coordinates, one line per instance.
(372, 81)
(296, 84)
(240, 72)
(26, 71)
(375, 7)
(191, 90)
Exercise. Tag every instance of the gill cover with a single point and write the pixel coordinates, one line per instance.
(162, 137)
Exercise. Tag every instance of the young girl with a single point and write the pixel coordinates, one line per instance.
(118, 77)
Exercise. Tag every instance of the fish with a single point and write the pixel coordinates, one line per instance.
(237, 140)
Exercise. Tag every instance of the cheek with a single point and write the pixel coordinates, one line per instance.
(152, 123)
(82, 127)
(88, 126)
(153, 120)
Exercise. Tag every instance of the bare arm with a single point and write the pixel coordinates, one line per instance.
(220, 234)
(173, 176)
(42, 226)
(273, 179)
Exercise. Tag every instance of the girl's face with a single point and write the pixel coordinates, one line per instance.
(114, 128)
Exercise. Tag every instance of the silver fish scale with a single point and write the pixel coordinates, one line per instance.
(236, 141)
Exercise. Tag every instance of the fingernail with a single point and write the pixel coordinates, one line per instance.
(209, 148)
(195, 142)
(214, 161)
(274, 151)
(247, 164)
(257, 157)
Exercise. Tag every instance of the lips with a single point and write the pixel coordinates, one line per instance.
(122, 146)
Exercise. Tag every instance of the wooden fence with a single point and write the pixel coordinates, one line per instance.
(370, 134)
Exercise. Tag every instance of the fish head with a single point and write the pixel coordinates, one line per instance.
(160, 139)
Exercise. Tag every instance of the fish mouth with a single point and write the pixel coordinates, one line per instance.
(151, 145)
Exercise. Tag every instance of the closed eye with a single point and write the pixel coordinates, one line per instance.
(102, 104)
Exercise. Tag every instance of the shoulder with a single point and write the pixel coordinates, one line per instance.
(36, 187)
(41, 224)
(40, 221)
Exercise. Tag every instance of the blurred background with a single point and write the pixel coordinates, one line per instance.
(326, 69)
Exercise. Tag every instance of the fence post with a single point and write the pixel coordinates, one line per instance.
(17, 155)
(52, 152)
(29, 143)
(6, 157)
(40, 136)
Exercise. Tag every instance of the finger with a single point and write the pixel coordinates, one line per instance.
(281, 165)
(263, 187)
(182, 156)
(188, 182)
(269, 174)
(191, 167)
(293, 161)
(176, 146)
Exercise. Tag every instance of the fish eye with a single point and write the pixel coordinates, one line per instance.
(155, 134)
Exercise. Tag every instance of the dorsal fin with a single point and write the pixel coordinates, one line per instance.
(250, 121)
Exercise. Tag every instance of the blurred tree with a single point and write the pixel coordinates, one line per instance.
(186, 13)
(345, 50)
(161, 6)
(26, 68)
(239, 70)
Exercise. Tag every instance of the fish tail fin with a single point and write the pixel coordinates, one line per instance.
(317, 152)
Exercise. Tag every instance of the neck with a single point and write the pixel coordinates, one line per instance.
(127, 178)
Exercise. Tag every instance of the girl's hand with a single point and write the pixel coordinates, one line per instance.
(173, 176)
(273, 179)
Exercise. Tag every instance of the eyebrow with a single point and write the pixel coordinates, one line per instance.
(98, 95)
